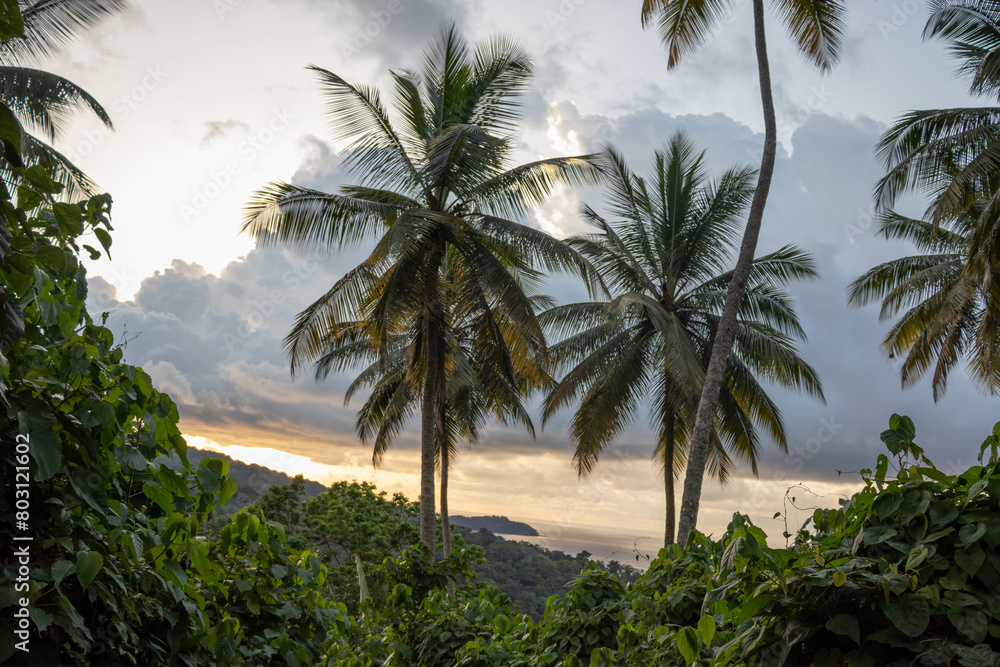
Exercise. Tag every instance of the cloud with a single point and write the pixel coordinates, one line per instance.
(220, 129)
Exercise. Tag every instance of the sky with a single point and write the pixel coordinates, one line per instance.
(211, 101)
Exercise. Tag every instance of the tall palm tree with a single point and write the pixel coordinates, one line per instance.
(664, 262)
(952, 153)
(952, 291)
(476, 394)
(435, 191)
(816, 27)
(949, 297)
(42, 102)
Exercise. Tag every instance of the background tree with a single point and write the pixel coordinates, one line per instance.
(816, 27)
(952, 291)
(664, 261)
(435, 189)
(477, 393)
(951, 154)
(42, 102)
(951, 311)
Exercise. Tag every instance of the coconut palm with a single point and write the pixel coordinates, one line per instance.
(952, 290)
(434, 183)
(476, 394)
(951, 153)
(949, 297)
(816, 27)
(664, 260)
(42, 102)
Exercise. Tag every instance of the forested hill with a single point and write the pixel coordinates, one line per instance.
(528, 573)
(495, 524)
(252, 480)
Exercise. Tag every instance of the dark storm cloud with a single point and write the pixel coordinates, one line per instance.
(215, 343)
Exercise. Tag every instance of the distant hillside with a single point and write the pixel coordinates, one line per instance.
(528, 573)
(252, 480)
(494, 524)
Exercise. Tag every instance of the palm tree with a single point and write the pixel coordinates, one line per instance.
(435, 192)
(42, 102)
(816, 27)
(665, 261)
(476, 394)
(952, 153)
(950, 297)
(953, 289)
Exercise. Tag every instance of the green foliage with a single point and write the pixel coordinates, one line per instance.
(905, 572)
(117, 570)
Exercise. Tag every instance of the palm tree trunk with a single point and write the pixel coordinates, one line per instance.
(430, 410)
(698, 454)
(668, 476)
(445, 520)
(445, 525)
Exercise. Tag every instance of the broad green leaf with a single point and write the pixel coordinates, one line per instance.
(839, 579)
(228, 490)
(970, 622)
(706, 628)
(887, 504)
(910, 614)
(915, 502)
(11, 23)
(198, 553)
(69, 217)
(45, 445)
(975, 490)
(970, 560)
(60, 569)
(99, 414)
(750, 608)
(52, 257)
(88, 564)
(845, 624)
(105, 238)
(687, 644)
(879, 534)
(10, 129)
(970, 533)
(160, 496)
(918, 555)
(941, 513)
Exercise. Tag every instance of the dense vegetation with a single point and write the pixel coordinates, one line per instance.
(330, 521)
(908, 568)
(125, 550)
(252, 480)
